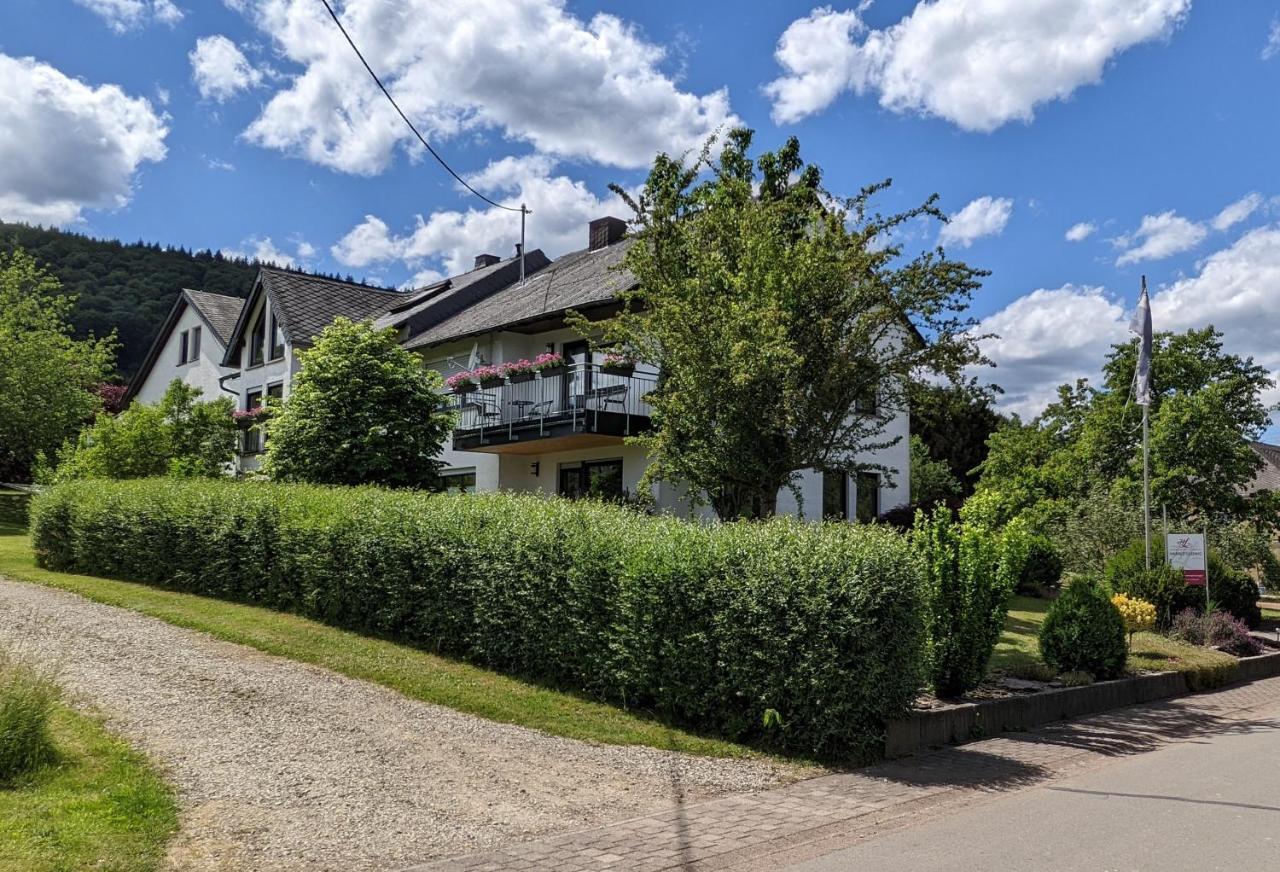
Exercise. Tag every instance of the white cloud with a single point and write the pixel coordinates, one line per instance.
(1238, 211)
(66, 145)
(1159, 236)
(985, 216)
(526, 68)
(125, 15)
(1052, 337)
(1048, 338)
(215, 163)
(261, 248)
(1082, 231)
(451, 239)
(220, 69)
(1272, 48)
(976, 63)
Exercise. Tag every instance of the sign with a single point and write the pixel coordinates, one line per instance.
(1185, 552)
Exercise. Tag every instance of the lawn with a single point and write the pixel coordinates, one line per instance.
(99, 806)
(1018, 651)
(413, 673)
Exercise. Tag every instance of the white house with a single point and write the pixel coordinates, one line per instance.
(190, 346)
(560, 432)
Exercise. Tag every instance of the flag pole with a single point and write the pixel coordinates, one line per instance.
(1146, 447)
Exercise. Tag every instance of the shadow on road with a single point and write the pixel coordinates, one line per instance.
(1110, 794)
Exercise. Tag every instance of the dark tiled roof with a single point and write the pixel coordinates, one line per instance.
(1268, 477)
(307, 304)
(220, 310)
(576, 280)
(447, 297)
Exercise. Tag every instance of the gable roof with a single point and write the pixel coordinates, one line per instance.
(577, 280)
(215, 310)
(1268, 476)
(443, 299)
(305, 304)
(219, 311)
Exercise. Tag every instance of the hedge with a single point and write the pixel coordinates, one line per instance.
(716, 627)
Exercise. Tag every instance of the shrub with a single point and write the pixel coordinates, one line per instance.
(710, 625)
(969, 577)
(1220, 629)
(1163, 586)
(1043, 567)
(1084, 632)
(27, 696)
(1139, 615)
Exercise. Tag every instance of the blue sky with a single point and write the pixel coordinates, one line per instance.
(246, 126)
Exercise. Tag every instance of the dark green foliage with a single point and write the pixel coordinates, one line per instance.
(1084, 632)
(27, 696)
(709, 625)
(1233, 591)
(1043, 567)
(954, 422)
(128, 288)
(362, 411)
(968, 583)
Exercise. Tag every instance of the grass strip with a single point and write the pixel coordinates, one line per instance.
(416, 674)
(1018, 651)
(100, 805)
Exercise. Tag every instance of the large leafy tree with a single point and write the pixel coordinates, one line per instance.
(954, 422)
(361, 411)
(47, 378)
(1206, 406)
(181, 436)
(774, 312)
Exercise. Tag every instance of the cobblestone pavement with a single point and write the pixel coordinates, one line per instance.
(812, 818)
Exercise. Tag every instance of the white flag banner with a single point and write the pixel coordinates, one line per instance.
(1141, 326)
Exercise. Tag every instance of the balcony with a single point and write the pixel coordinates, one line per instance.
(581, 406)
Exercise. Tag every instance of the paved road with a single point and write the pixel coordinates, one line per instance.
(1208, 804)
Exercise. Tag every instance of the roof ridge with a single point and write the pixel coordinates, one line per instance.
(297, 273)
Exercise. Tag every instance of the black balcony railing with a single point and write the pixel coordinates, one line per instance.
(578, 398)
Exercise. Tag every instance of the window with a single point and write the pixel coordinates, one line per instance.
(866, 403)
(182, 348)
(835, 496)
(253, 436)
(275, 393)
(868, 496)
(462, 481)
(257, 337)
(277, 339)
(601, 479)
(193, 352)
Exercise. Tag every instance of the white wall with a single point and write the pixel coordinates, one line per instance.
(202, 373)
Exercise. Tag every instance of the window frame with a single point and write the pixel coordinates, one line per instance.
(193, 345)
(254, 441)
(867, 498)
(276, 351)
(467, 473)
(183, 344)
(581, 470)
(258, 338)
(832, 479)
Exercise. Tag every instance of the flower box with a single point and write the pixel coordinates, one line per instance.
(549, 364)
(491, 382)
(627, 369)
(552, 371)
(520, 377)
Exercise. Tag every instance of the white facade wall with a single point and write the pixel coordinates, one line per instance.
(272, 372)
(514, 472)
(202, 373)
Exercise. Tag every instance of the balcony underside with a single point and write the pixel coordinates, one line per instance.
(589, 430)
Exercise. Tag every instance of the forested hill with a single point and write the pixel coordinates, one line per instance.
(126, 287)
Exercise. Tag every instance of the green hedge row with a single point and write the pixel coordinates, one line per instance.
(712, 626)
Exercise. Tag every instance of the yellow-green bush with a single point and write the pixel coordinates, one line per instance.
(710, 625)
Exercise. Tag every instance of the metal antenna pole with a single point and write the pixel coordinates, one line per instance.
(523, 212)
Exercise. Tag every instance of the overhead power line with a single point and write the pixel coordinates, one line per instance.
(521, 209)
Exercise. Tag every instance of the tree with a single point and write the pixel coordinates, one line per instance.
(1206, 406)
(931, 480)
(47, 379)
(362, 411)
(775, 314)
(179, 436)
(954, 422)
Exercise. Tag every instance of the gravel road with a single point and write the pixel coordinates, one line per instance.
(280, 765)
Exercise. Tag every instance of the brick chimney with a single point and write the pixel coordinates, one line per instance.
(483, 260)
(604, 232)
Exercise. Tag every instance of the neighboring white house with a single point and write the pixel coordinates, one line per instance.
(190, 346)
(557, 433)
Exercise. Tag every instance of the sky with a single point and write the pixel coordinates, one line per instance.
(1076, 145)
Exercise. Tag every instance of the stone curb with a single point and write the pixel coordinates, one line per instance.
(968, 722)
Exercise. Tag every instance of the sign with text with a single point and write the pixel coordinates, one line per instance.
(1185, 552)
